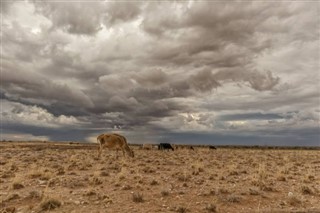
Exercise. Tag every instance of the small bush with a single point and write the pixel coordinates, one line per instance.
(9, 210)
(104, 173)
(17, 185)
(183, 177)
(234, 199)
(294, 200)
(306, 190)
(50, 204)
(126, 187)
(96, 181)
(137, 198)
(211, 208)
(164, 193)
(34, 194)
(253, 191)
(182, 209)
(281, 178)
(154, 182)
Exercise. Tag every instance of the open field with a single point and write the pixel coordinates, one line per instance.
(35, 177)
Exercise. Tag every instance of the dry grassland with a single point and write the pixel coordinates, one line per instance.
(70, 178)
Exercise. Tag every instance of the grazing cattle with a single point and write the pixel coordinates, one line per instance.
(163, 146)
(212, 147)
(114, 141)
(147, 146)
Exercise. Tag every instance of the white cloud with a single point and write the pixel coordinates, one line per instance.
(16, 113)
(22, 137)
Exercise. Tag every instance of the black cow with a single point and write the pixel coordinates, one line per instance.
(163, 146)
(212, 147)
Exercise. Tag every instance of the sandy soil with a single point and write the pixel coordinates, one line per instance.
(37, 177)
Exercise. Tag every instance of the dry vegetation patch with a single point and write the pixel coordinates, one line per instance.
(200, 180)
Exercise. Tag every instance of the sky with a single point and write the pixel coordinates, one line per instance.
(185, 72)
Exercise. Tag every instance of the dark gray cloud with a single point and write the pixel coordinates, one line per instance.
(118, 12)
(153, 70)
(35, 88)
(251, 116)
(82, 18)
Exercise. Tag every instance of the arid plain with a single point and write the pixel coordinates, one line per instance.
(56, 177)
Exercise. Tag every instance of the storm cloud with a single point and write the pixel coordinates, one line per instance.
(194, 71)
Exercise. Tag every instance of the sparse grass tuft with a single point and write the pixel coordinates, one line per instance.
(253, 191)
(182, 209)
(197, 167)
(40, 173)
(281, 178)
(154, 182)
(104, 174)
(306, 190)
(137, 198)
(233, 198)
(14, 196)
(17, 185)
(96, 181)
(50, 204)
(211, 208)
(126, 187)
(9, 210)
(183, 177)
(293, 200)
(34, 194)
(165, 193)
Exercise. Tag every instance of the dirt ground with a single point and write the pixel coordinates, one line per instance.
(38, 177)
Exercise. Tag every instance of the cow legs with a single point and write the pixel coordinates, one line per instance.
(99, 151)
(117, 155)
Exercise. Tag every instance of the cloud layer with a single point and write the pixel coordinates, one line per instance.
(189, 71)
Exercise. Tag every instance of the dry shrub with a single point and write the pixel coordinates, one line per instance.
(17, 185)
(95, 180)
(211, 208)
(165, 193)
(309, 178)
(147, 169)
(9, 210)
(60, 171)
(126, 187)
(13, 168)
(253, 191)
(197, 167)
(183, 177)
(154, 182)
(222, 191)
(233, 173)
(12, 197)
(49, 204)
(104, 173)
(293, 200)
(40, 173)
(281, 178)
(137, 198)
(34, 195)
(122, 176)
(233, 198)
(8, 174)
(306, 190)
(90, 193)
(182, 209)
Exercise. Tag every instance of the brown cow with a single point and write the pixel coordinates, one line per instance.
(114, 141)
